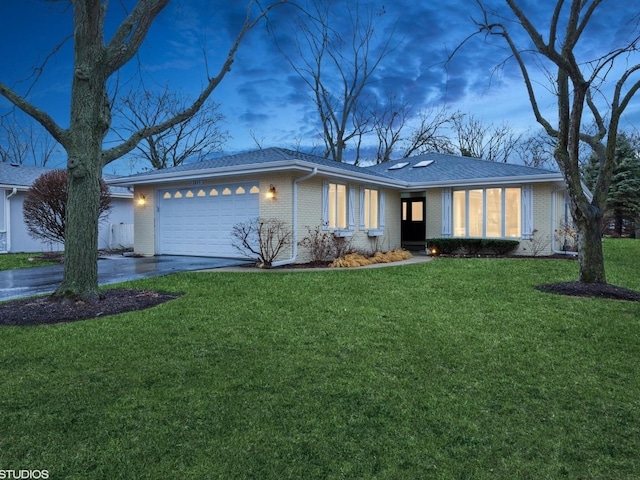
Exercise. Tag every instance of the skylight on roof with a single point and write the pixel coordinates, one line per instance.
(398, 166)
(423, 163)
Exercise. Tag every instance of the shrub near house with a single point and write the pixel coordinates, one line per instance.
(471, 246)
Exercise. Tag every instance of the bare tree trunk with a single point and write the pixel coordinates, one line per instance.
(590, 253)
(90, 121)
(80, 278)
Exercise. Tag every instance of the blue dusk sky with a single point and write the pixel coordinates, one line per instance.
(263, 97)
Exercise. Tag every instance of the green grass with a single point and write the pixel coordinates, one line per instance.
(12, 261)
(453, 369)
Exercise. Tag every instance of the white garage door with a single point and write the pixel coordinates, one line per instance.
(198, 220)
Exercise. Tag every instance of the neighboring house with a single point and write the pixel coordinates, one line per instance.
(191, 209)
(115, 230)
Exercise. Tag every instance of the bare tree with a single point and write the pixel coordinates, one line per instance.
(194, 138)
(45, 206)
(480, 140)
(96, 60)
(388, 125)
(398, 129)
(25, 142)
(428, 135)
(578, 85)
(337, 68)
(537, 150)
(258, 141)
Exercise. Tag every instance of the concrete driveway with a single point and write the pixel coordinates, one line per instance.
(41, 280)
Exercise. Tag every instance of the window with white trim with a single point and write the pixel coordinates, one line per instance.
(371, 210)
(335, 206)
(487, 212)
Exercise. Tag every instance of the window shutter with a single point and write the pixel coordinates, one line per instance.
(447, 220)
(325, 205)
(527, 212)
(361, 208)
(381, 207)
(351, 220)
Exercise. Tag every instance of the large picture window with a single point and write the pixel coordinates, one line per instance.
(487, 212)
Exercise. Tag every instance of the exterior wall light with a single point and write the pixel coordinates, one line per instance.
(271, 193)
(142, 200)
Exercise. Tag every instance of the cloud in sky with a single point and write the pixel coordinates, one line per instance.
(262, 93)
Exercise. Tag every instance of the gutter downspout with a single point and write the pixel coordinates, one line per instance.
(294, 254)
(7, 219)
(554, 211)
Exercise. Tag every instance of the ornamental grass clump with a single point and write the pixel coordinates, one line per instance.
(360, 260)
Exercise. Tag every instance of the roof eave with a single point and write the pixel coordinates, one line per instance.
(121, 195)
(469, 182)
(213, 172)
(21, 188)
(255, 168)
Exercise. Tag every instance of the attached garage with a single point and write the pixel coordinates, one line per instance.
(198, 220)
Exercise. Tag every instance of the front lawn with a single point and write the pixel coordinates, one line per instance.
(12, 261)
(457, 368)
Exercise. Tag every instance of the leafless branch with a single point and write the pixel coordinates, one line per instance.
(262, 239)
(249, 23)
(194, 138)
(337, 68)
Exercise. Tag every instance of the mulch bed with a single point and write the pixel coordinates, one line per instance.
(46, 310)
(595, 290)
(291, 266)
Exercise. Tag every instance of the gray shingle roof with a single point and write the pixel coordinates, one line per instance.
(445, 168)
(254, 157)
(448, 168)
(19, 175)
(23, 176)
